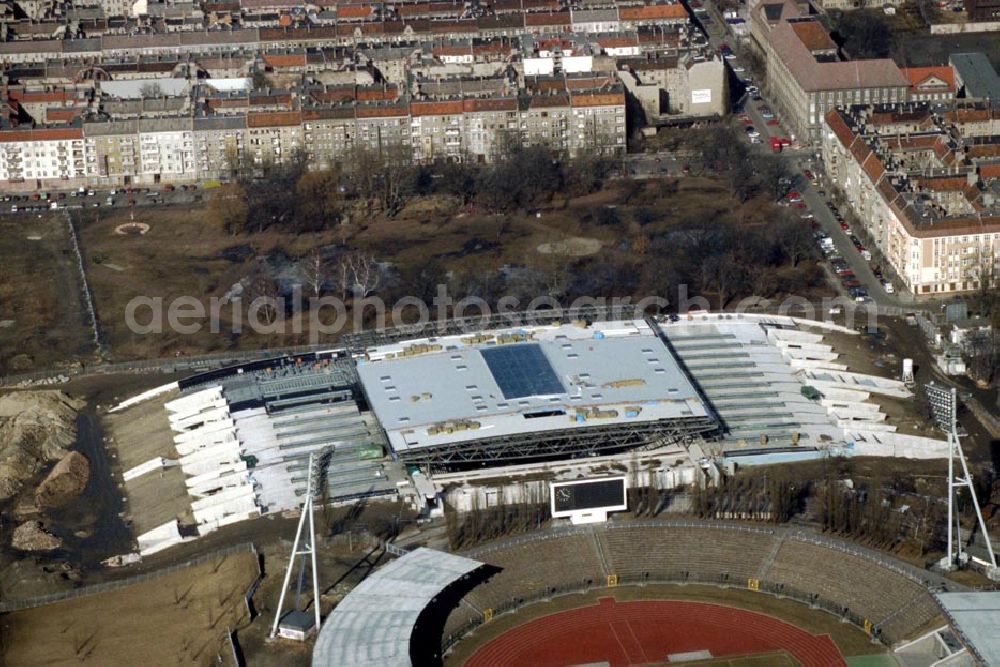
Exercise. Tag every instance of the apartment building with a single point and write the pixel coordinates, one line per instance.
(38, 155)
(805, 76)
(928, 196)
(571, 116)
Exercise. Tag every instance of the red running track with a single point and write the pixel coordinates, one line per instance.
(644, 631)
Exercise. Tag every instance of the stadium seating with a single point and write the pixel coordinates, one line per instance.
(852, 581)
(528, 569)
(895, 604)
(669, 552)
(533, 567)
(918, 614)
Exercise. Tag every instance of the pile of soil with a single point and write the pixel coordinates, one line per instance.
(36, 428)
(65, 482)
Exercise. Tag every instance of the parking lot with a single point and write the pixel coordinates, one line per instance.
(99, 198)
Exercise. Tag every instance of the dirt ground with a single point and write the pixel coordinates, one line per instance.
(43, 322)
(849, 639)
(179, 618)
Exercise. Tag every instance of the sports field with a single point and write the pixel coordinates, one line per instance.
(640, 632)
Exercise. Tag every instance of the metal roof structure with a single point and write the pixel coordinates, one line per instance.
(373, 624)
(543, 382)
(976, 616)
(748, 382)
(976, 75)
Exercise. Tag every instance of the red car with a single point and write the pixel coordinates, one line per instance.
(846, 227)
(851, 283)
(809, 174)
(745, 119)
(800, 204)
(772, 121)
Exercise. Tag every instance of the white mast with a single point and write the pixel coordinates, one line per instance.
(944, 405)
(308, 549)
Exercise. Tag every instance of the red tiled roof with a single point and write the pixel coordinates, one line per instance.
(285, 59)
(840, 128)
(42, 134)
(353, 11)
(873, 167)
(436, 108)
(943, 183)
(380, 111)
(920, 75)
(652, 12)
(813, 36)
(547, 18)
(597, 99)
(502, 104)
(274, 119)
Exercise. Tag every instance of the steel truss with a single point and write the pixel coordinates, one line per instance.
(561, 444)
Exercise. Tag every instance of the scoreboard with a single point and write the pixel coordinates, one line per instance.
(588, 499)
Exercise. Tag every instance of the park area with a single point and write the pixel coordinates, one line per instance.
(177, 618)
(626, 238)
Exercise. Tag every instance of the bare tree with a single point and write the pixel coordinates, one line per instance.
(263, 287)
(342, 276)
(314, 271)
(365, 273)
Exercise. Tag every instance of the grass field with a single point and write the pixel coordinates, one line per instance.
(42, 318)
(177, 618)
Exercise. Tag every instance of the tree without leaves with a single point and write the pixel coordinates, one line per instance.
(264, 287)
(227, 208)
(319, 202)
(794, 238)
(364, 272)
(864, 33)
(313, 270)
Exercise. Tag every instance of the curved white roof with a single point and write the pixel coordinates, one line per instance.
(373, 624)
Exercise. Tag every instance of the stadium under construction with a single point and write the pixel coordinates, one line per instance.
(394, 416)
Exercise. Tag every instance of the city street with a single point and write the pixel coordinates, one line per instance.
(799, 159)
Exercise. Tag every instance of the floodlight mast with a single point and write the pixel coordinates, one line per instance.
(944, 405)
(308, 549)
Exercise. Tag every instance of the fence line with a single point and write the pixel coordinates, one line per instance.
(30, 603)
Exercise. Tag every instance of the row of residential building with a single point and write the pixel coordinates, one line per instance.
(571, 115)
(925, 183)
(340, 32)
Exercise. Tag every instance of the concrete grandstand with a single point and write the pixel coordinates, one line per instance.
(886, 599)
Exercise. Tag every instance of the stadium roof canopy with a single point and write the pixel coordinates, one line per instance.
(433, 392)
(373, 624)
(976, 616)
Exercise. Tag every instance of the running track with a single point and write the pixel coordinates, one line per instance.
(643, 631)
